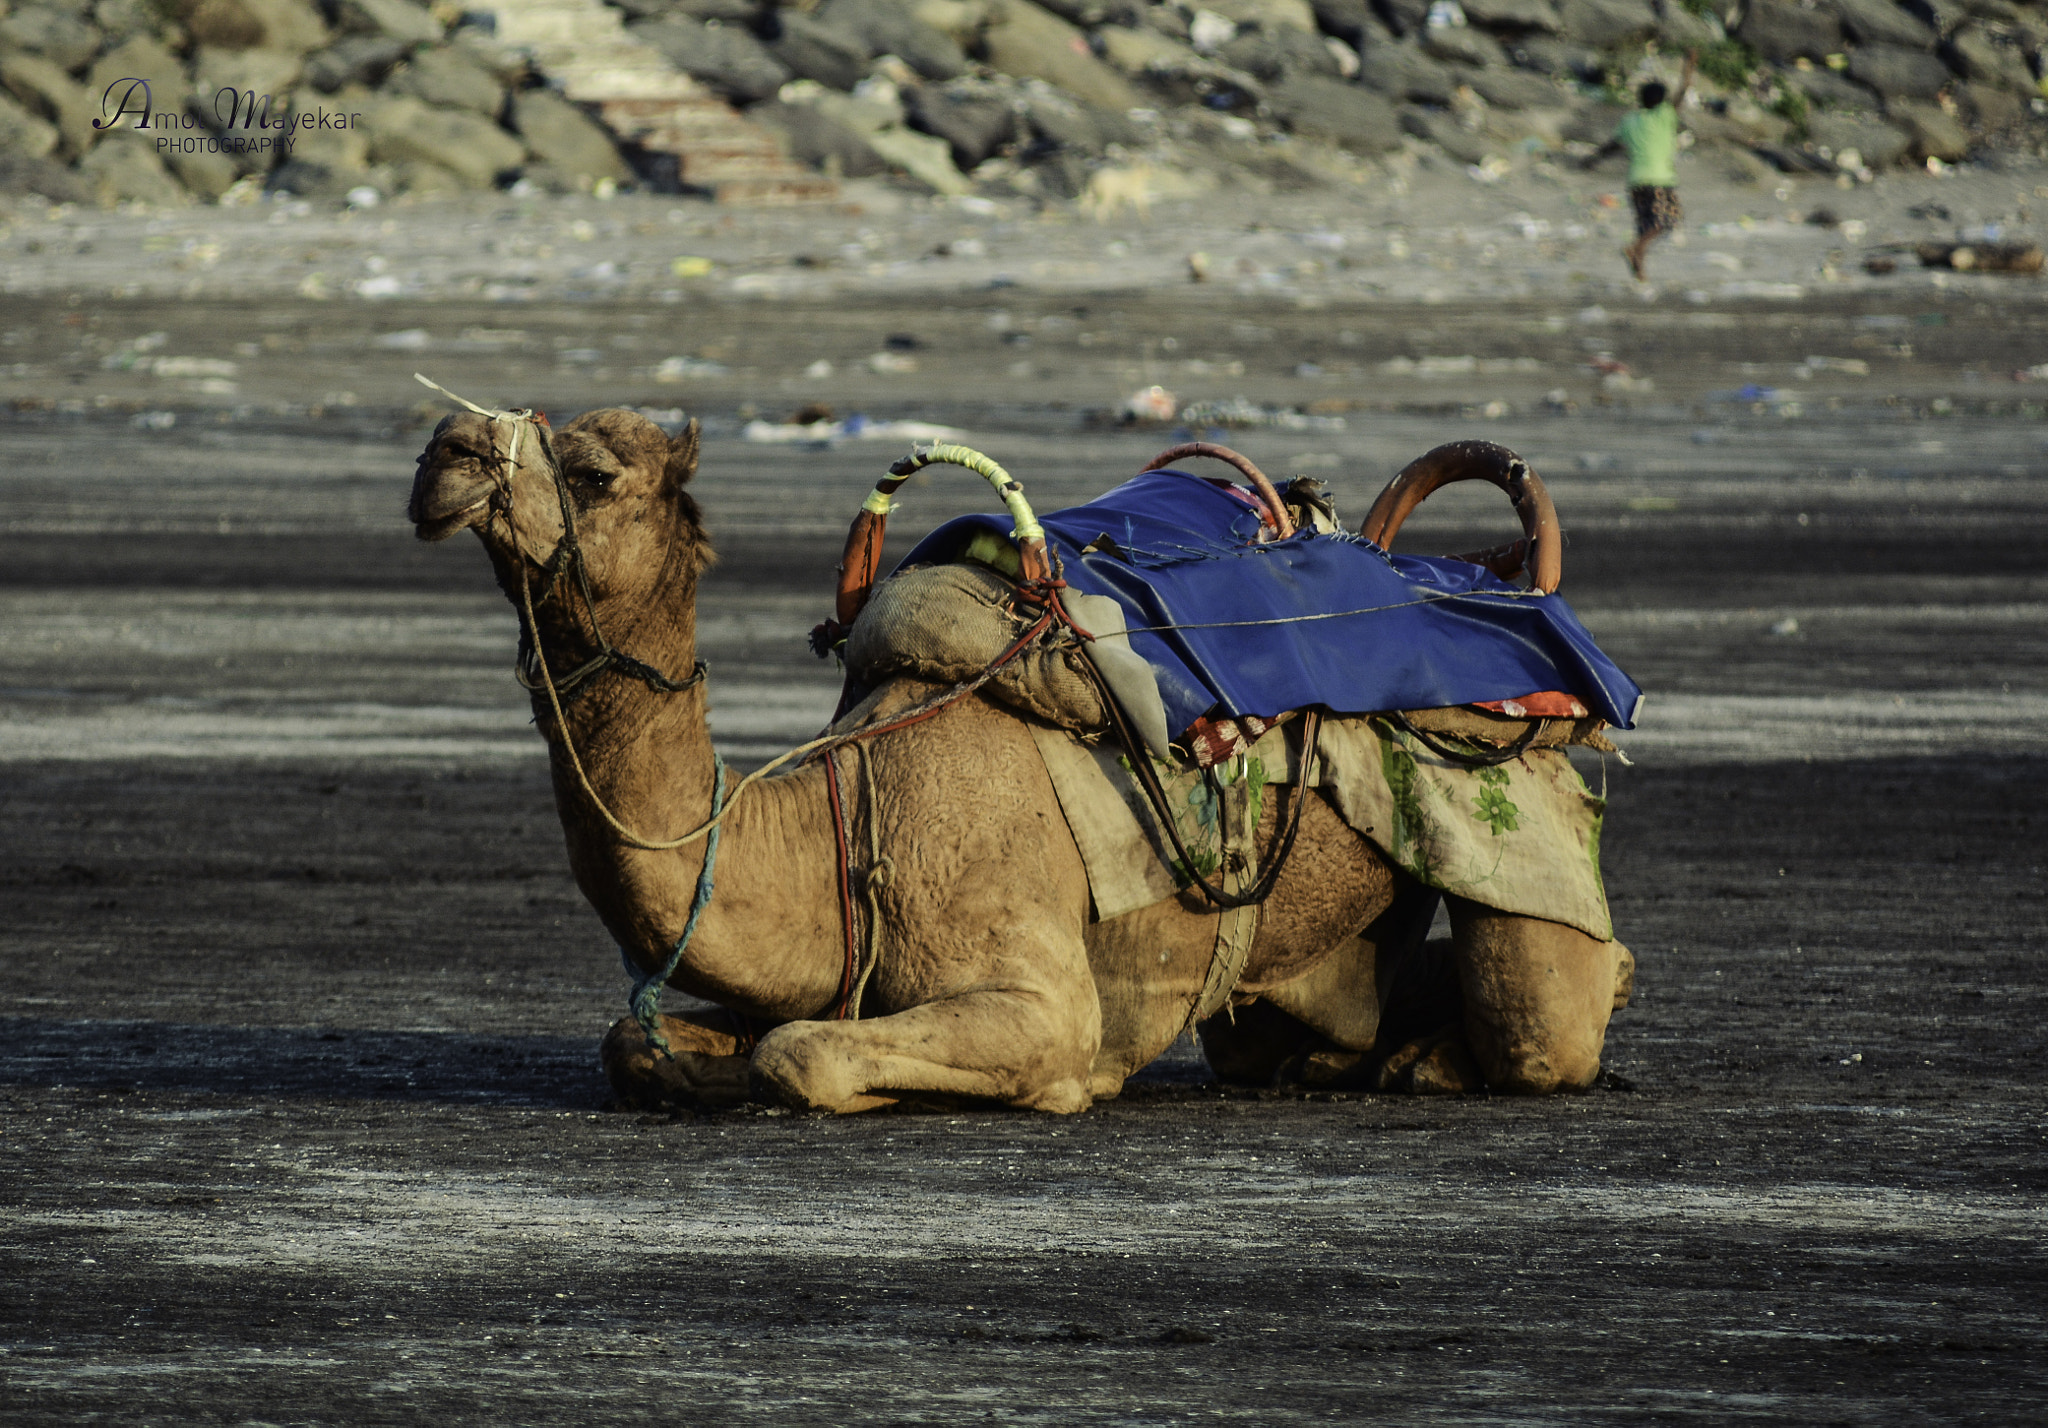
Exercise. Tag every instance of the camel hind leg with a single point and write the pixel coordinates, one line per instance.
(1538, 996)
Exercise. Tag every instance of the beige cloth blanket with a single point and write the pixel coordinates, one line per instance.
(1522, 837)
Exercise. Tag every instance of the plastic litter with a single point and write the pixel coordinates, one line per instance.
(854, 428)
(1153, 403)
(688, 369)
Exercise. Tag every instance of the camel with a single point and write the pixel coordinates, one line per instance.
(989, 983)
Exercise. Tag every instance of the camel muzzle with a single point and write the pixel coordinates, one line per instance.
(448, 498)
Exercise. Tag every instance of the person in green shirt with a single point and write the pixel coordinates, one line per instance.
(1650, 136)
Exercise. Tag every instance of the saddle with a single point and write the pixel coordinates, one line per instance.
(1211, 614)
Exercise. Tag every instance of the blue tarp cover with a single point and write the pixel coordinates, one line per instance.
(1427, 632)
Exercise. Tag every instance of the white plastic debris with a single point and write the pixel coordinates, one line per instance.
(688, 369)
(854, 428)
(412, 339)
(1154, 403)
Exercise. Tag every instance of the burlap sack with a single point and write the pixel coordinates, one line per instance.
(947, 623)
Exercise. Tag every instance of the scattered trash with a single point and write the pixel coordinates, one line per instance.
(688, 369)
(412, 339)
(1786, 291)
(1785, 628)
(891, 362)
(1308, 369)
(691, 267)
(363, 196)
(1847, 366)
(1595, 461)
(819, 370)
(1754, 393)
(1491, 169)
(1880, 267)
(1707, 436)
(153, 421)
(856, 427)
(1980, 257)
(191, 367)
(1445, 15)
(2032, 374)
(384, 285)
(1241, 412)
(1153, 404)
(1198, 267)
(1456, 366)
(1724, 260)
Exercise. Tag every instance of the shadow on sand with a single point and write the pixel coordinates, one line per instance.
(303, 1062)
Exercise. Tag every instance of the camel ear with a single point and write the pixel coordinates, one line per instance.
(682, 454)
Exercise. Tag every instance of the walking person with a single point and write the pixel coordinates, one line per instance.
(1650, 137)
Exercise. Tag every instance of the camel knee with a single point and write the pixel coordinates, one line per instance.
(1540, 1068)
(795, 1066)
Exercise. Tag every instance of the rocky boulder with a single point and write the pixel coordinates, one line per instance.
(1461, 45)
(355, 59)
(1876, 142)
(566, 139)
(1880, 22)
(1273, 55)
(1980, 58)
(45, 90)
(976, 118)
(1826, 88)
(1342, 114)
(405, 131)
(123, 167)
(1402, 71)
(1782, 32)
(1516, 89)
(888, 27)
(1899, 73)
(448, 77)
(725, 57)
(1607, 24)
(1351, 21)
(811, 49)
(23, 133)
(1444, 130)
(1029, 41)
(142, 57)
(1515, 16)
(818, 139)
(1934, 134)
(46, 31)
(398, 19)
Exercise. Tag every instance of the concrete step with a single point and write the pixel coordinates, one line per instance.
(581, 47)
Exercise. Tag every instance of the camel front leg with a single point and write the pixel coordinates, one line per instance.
(1537, 997)
(1019, 1048)
(705, 1065)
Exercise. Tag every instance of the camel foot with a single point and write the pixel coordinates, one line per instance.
(697, 1072)
(1436, 1065)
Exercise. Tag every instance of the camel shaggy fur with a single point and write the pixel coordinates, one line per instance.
(992, 984)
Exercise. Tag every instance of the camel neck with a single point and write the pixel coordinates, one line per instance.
(648, 757)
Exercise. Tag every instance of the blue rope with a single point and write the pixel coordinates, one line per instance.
(645, 998)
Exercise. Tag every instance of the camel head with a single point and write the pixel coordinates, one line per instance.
(640, 534)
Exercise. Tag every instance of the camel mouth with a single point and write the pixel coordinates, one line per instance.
(445, 501)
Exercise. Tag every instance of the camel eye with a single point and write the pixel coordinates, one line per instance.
(594, 477)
